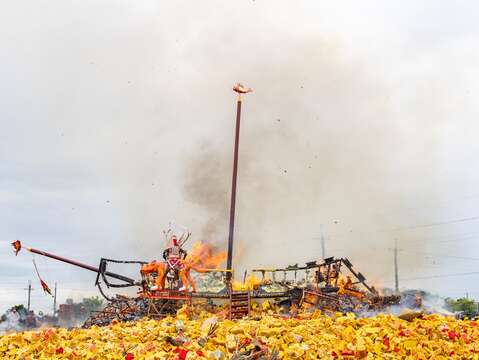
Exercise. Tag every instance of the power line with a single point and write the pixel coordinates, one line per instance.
(439, 223)
(441, 276)
(403, 228)
(396, 281)
(420, 253)
(434, 203)
(446, 238)
(441, 255)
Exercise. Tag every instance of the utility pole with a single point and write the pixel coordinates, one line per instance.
(29, 289)
(240, 89)
(55, 300)
(396, 278)
(323, 247)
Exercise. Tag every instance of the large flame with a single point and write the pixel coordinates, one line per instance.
(251, 283)
(205, 255)
(346, 287)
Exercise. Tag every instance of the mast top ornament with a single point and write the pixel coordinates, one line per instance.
(240, 89)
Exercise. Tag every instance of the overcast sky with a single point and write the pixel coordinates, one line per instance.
(118, 117)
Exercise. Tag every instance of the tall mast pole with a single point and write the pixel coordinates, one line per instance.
(323, 246)
(240, 89)
(396, 277)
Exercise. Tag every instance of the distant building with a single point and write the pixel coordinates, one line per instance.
(71, 314)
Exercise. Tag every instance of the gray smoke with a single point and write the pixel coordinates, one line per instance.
(318, 145)
(118, 117)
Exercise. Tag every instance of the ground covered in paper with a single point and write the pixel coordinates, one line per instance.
(263, 336)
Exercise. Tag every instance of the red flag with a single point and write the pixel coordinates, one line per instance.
(17, 245)
(42, 283)
(45, 287)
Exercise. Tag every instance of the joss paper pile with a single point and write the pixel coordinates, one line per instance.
(203, 335)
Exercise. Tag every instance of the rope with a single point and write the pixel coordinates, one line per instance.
(104, 276)
(102, 292)
(44, 285)
(126, 261)
(107, 283)
(36, 269)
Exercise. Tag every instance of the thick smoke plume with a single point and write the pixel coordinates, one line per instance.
(119, 117)
(319, 145)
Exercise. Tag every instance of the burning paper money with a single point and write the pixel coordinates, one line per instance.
(309, 336)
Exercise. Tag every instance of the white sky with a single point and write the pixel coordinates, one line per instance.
(117, 117)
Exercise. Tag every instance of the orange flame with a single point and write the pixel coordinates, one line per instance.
(205, 255)
(346, 287)
(251, 283)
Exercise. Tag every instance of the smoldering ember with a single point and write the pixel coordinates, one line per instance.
(247, 180)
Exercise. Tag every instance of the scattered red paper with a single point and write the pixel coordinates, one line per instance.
(386, 343)
(181, 353)
(452, 335)
(466, 338)
(59, 350)
(129, 356)
(47, 334)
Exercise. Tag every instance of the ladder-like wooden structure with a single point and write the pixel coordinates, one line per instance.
(165, 302)
(240, 304)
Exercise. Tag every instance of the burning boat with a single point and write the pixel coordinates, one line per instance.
(332, 285)
(164, 285)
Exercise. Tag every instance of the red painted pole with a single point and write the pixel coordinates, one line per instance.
(79, 264)
(233, 189)
(59, 258)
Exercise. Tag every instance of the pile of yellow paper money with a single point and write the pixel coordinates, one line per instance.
(269, 336)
